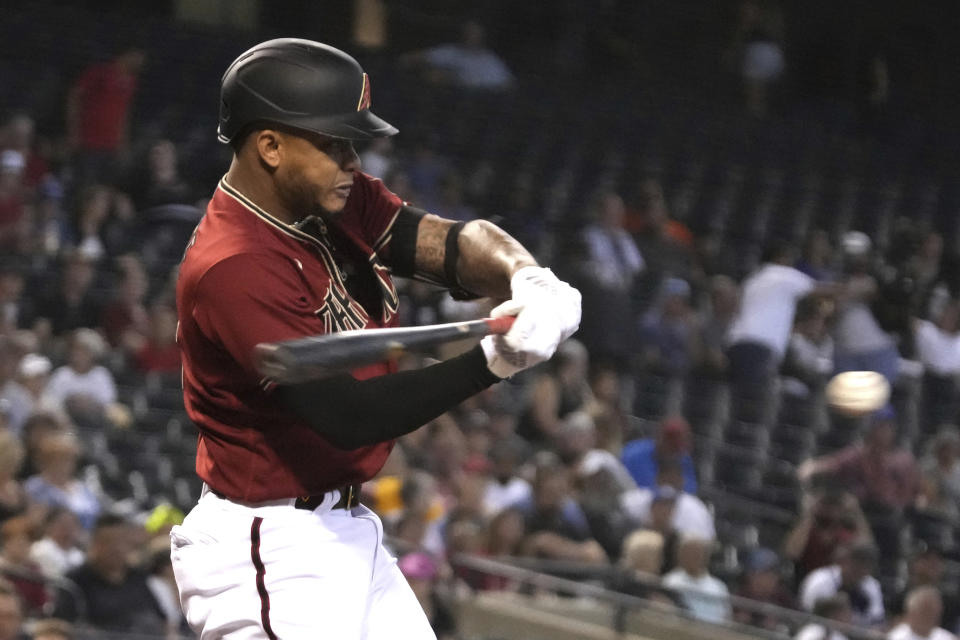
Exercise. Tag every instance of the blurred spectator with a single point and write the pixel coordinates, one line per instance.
(73, 304)
(664, 242)
(97, 202)
(576, 445)
(15, 401)
(16, 536)
(922, 620)
(423, 510)
(830, 520)
(14, 207)
(35, 430)
(937, 346)
(15, 308)
(505, 533)
(817, 260)
(926, 568)
(83, 386)
(850, 574)
(611, 264)
(506, 488)
(762, 582)
(51, 629)
(600, 482)
(642, 457)
(837, 608)
(124, 320)
(162, 182)
(51, 230)
(58, 551)
(159, 352)
(377, 159)
(941, 472)
(56, 484)
(643, 553)
(33, 374)
(715, 319)
(468, 63)
(642, 558)
(13, 500)
(809, 358)
(861, 343)
(554, 393)
(421, 572)
(668, 330)
(758, 42)
(703, 595)
(11, 612)
(879, 472)
(689, 514)
(114, 596)
(607, 409)
(163, 586)
(759, 336)
(98, 115)
(556, 525)
(18, 134)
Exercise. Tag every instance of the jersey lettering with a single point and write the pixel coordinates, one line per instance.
(339, 312)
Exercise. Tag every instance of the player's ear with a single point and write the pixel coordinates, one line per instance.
(268, 147)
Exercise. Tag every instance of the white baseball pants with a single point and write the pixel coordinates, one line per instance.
(270, 571)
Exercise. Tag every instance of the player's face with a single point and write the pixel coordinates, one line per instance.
(317, 173)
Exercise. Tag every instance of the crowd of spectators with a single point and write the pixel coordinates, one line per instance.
(592, 461)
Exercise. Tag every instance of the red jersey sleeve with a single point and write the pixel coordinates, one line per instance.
(377, 209)
(249, 298)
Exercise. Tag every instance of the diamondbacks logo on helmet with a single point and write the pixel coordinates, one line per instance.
(364, 94)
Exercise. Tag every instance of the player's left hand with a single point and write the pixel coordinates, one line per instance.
(539, 287)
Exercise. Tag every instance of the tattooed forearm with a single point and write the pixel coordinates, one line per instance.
(488, 255)
(431, 236)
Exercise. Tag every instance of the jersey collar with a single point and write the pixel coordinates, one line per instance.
(289, 229)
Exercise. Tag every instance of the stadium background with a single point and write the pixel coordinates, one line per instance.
(746, 124)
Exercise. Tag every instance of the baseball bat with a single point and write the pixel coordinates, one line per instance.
(314, 357)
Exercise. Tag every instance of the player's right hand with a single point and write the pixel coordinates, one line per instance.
(532, 339)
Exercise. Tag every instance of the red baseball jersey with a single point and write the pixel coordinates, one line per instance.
(248, 278)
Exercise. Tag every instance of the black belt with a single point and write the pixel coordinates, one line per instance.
(349, 498)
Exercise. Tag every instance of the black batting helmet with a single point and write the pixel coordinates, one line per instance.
(300, 83)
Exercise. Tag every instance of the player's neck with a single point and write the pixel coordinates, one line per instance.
(257, 187)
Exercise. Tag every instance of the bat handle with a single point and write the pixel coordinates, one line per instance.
(499, 326)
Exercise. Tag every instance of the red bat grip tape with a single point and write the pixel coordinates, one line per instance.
(500, 325)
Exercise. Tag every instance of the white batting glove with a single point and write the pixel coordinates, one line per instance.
(548, 312)
(538, 286)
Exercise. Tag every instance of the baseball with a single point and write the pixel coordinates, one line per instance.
(857, 393)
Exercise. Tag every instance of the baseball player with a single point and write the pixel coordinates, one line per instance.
(297, 241)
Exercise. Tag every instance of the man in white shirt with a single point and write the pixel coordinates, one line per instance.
(922, 620)
(690, 514)
(703, 595)
(850, 575)
(760, 333)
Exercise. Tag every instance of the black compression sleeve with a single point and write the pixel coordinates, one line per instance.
(353, 413)
(403, 246)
